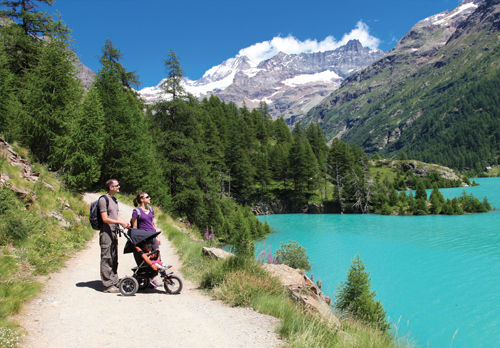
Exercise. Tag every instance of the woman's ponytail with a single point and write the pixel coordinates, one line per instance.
(137, 199)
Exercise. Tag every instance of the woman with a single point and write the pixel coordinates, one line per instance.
(143, 219)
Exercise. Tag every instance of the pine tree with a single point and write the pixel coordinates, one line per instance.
(302, 162)
(178, 119)
(241, 238)
(52, 95)
(436, 206)
(263, 174)
(282, 132)
(421, 207)
(25, 13)
(83, 145)
(26, 33)
(239, 161)
(320, 149)
(356, 297)
(393, 197)
(411, 202)
(340, 162)
(279, 163)
(128, 149)
(420, 191)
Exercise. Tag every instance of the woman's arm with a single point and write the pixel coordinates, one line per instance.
(134, 222)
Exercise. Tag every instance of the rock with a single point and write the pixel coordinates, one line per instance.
(28, 194)
(17, 161)
(216, 252)
(64, 203)
(32, 178)
(57, 216)
(304, 292)
(50, 187)
(3, 178)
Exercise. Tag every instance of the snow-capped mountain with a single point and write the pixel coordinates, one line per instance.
(291, 84)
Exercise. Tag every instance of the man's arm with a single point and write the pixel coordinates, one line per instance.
(123, 222)
(107, 220)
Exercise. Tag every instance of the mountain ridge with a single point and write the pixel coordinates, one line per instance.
(388, 74)
(290, 83)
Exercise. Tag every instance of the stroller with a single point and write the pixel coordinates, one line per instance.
(143, 272)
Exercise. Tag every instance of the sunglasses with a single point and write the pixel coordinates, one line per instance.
(115, 185)
(145, 197)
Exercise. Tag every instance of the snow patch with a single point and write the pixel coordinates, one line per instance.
(251, 72)
(325, 76)
(457, 11)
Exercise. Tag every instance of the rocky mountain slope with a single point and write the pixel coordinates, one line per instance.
(386, 106)
(291, 84)
(85, 74)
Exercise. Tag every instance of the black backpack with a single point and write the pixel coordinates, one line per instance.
(95, 218)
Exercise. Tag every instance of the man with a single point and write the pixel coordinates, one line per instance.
(108, 237)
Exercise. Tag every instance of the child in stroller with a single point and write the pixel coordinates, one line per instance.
(140, 243)
(142, 254)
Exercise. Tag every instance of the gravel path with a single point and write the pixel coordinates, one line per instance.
(72, 310)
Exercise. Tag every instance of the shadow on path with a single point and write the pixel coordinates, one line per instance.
(93, 284)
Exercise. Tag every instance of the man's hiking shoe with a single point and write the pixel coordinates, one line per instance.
(111, 289)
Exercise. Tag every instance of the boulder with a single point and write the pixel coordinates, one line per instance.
(303, 291)
(216, 252)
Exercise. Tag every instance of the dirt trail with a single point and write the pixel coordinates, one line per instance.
(72, 311)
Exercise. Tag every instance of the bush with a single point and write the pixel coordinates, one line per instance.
(293, 255)
(216, 274)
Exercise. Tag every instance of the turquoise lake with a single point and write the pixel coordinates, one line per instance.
(438, 277)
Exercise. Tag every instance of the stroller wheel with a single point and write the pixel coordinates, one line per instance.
(128, 286)
(172, 284)
(143, 283)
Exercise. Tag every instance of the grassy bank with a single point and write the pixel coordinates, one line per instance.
(35, 238)
(242, 282)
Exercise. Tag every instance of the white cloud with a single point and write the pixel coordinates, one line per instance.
(291, 45)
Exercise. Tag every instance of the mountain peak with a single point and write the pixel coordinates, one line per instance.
(353, 45)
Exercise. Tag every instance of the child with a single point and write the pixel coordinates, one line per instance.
(141, 254)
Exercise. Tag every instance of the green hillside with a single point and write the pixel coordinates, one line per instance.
(443, 111)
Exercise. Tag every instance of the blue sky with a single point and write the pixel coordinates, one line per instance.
(204, 33)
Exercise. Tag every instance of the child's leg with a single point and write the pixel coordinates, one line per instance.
(156, 246)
